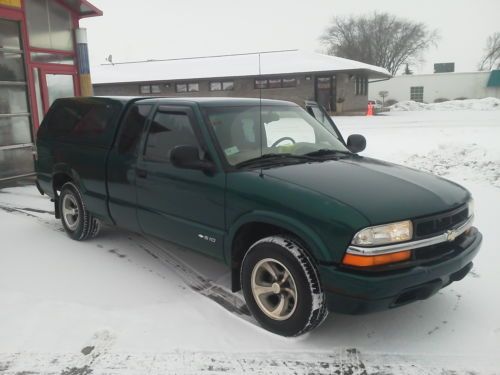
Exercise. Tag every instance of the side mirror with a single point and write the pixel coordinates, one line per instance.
(356, 143)
(188, 157)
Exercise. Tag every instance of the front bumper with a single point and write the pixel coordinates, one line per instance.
(356, 292)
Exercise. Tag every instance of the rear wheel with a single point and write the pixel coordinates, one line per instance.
(281, 287)
(78, 223)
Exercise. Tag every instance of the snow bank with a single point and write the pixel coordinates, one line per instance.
(486, 104)
(469, 161)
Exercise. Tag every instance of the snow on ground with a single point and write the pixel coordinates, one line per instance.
(486, 104)
(125, 304)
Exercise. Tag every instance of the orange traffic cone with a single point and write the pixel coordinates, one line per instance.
(369, 112)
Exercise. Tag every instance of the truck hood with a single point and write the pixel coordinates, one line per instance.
(381, 191)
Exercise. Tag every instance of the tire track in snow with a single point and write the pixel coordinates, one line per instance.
(100, 359)
(197, 281)
(192, 278)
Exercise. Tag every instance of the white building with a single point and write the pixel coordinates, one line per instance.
(438, 86)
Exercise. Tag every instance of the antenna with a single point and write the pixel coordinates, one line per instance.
(261, 132)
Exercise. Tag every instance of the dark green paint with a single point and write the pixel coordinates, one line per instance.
(324, 203)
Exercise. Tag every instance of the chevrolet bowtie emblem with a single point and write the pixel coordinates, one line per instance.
(451, 235)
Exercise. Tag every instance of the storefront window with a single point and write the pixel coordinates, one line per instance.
(14, 131)
(49, 25)
(51, 58)
(15, 122)
(59, 86)
(13, 99)
(9, 35)
(12, 67)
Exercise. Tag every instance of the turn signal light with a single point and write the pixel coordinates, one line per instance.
(376, 260)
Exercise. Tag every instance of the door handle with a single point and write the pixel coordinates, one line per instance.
(141, 173)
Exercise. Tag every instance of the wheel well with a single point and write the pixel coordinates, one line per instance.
(245, 236)
(57, 183)
(59, 180)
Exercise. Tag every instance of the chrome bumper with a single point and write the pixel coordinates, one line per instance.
(447, 236)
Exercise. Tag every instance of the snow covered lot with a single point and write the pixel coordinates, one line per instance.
(124, 304)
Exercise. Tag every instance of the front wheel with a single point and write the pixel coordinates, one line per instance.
(281, 287)
(78, 223)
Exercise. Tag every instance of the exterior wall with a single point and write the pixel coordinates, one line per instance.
(346, 89)
(243, 87)
(436, 86)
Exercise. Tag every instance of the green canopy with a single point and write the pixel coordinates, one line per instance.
(494, 80)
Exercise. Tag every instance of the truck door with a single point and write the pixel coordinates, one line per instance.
(183, 206)
(121, 167)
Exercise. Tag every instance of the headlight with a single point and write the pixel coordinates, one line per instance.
(384, 234)
(470, 208)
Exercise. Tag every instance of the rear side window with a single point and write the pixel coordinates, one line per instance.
(83, 120)
(132, 128)
(168, 130)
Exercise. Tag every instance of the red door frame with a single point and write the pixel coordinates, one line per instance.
(50, 69)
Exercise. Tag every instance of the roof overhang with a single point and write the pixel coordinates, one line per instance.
(83, 8)
(272, 63)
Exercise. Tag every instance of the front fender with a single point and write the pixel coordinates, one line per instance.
(315, 245)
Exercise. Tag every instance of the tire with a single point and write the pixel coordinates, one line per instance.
(285, 305)
(78, 223)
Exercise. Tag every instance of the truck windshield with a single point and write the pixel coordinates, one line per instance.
(284, 130)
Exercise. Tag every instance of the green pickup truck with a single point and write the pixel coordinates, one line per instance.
(273, 190)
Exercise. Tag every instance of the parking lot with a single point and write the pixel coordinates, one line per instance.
(125, 304)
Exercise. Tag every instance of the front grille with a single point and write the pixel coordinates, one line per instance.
(437, 224)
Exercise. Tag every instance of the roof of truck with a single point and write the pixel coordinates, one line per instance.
(204, 101)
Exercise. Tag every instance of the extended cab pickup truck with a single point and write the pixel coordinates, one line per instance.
(304, 223)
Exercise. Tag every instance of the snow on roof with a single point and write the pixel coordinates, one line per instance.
(238, 65)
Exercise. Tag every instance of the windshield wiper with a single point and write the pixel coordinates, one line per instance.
(326, 152)
(274, 157)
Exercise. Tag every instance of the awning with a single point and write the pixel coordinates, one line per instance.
(83, 8)
(494, 80)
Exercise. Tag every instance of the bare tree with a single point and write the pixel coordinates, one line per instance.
(380, 39)
(491, 58)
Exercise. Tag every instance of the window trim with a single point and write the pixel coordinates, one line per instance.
(144, 86)
(361, 85)
(177, 84)
(413, 93)
(221, 82)
(193, 83)
(168, 108)
(267, 83)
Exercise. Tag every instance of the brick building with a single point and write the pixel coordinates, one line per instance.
(288, 75)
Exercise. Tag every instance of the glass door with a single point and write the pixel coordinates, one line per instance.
(16, 142)
(325, 88)
(59, 86)
(52, 83)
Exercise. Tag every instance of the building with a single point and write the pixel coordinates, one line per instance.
(340, 85)
(43, 56)
(430, 88)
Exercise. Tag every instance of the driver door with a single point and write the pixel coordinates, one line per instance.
(184, 206)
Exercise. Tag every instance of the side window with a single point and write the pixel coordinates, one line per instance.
(133, 128)
(81, 120)
(168, 130)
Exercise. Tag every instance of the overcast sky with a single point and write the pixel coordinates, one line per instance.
(155, 29)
